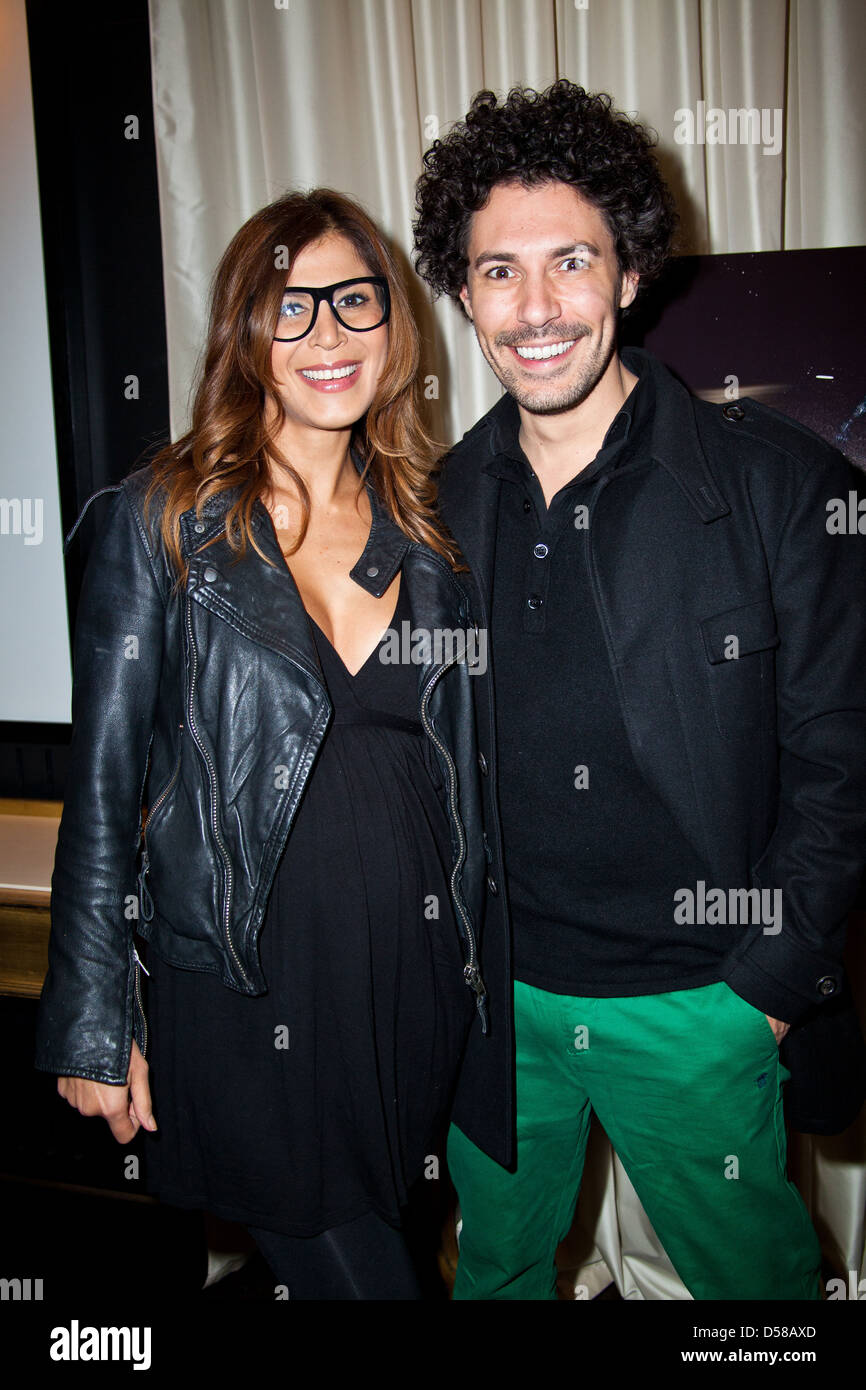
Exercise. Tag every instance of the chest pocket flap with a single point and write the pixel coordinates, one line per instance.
(753, 626)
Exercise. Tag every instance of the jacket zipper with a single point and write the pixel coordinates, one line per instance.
(213, 797)
(143, 891)
(471, 973)
(171, 781)
(139, 966)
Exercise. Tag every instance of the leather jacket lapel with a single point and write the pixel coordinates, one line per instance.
(258, 598)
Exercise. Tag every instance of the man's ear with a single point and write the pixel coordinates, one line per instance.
(628, 288)
(464, 299)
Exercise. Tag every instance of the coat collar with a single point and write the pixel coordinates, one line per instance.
(674, 439)
(469, 488)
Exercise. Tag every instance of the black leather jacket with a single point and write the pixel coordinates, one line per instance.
(207, 704)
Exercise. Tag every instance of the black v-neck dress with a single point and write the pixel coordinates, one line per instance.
(307, 1106)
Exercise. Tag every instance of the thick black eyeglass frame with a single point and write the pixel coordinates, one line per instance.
(327, 292)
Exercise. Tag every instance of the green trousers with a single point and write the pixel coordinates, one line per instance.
(688, 1086)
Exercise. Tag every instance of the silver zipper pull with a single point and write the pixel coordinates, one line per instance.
(145, 900)
(473, 979)
(140, 962)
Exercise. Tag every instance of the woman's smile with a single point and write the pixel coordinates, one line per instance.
(331, 376)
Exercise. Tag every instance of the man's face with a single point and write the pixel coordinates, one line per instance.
(542, 290)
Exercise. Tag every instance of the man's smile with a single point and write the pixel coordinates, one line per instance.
(538, 354)
(535, 358)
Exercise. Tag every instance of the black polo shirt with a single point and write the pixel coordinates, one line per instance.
(592, 856)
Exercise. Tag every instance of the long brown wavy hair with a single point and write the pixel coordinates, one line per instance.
(228, 443)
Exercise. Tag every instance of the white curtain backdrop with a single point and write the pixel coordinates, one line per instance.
(253, 97)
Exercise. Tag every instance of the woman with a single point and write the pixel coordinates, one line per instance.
(310, 869)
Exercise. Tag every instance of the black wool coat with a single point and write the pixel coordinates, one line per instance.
(724, 525)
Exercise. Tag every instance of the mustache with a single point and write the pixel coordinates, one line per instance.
(563, 333)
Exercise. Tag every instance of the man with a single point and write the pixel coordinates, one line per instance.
(679, 768)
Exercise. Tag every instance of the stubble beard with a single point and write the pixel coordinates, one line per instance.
(550, 398)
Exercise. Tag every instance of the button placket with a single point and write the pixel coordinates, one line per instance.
(537, 582)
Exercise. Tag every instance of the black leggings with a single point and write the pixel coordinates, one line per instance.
(364, 1259)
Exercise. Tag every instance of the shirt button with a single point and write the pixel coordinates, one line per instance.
(199, 528)
(535, 601)
(492, 885)
(540, 550)
(372, 571)
(826, 985)
(210, 574)
(733, 412)
(527, 505)
(482, 763)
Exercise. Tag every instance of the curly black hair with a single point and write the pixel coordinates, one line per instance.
(562, 133)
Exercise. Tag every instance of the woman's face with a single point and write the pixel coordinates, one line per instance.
(322, 401)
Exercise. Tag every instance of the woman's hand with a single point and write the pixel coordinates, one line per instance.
(126, 1108)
